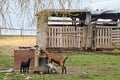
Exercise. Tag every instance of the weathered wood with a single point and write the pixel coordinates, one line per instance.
(62, 36)
(70, 32)
(7, 71)
(68, 36)
(93, 43)
(25, 47)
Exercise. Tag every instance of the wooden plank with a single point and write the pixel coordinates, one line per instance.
(69, 32)
(100, 38)
(61, 42)
(57, 37)
(52, 38)
(108, 30)
(110, 35)
(106, 38)
(97, 37)
(103, 42)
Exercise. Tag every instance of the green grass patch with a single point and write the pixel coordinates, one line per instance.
(16, 76)
(55, 77)
(5, 60)
(96, 59)
(2, 75)
(79, 67)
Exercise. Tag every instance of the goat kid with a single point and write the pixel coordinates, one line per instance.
(25, 65)
(51, 67)
(60, 60)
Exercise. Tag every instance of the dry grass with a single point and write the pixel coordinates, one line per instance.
(116, 51)
(17, 41)
(8, 44)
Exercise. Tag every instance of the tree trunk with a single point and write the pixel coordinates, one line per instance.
(42, 31)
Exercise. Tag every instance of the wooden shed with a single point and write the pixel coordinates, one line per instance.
(74, 29)
(63, 28)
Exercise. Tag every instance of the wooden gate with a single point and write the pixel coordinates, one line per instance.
(107, 37)
(68, 36)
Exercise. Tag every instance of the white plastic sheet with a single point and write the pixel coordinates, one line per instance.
(108, 6)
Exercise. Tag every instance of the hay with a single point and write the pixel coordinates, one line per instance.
(17, 41)
(116, 51)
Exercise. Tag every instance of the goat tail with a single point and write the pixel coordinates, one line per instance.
(65, 59)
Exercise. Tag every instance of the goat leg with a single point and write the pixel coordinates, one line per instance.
(27, 69)
(24, 69)
(51, 71)
(65, 70)
(48, 71)
(21, 69)
(55, 70)
(62, 70)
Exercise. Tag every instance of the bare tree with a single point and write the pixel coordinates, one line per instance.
(26, 9)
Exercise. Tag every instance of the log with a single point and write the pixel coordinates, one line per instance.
(7, 71)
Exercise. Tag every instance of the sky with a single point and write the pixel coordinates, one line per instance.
(25, 20)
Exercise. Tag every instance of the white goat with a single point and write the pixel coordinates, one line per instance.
(51, 67)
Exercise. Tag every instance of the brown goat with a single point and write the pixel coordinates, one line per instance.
(57, 58)
(42, 55)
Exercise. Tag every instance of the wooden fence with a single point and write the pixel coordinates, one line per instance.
(108, 37)
(68, 36)
(71, 36)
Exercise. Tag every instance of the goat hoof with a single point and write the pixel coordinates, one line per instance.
(41, 72)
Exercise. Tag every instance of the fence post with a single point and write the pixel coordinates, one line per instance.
(86, 38)
(0, 31)
(21, 32)
(93, 43)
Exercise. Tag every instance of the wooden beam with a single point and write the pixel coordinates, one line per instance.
(71, 32)
(64, 21)
(74, 35)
